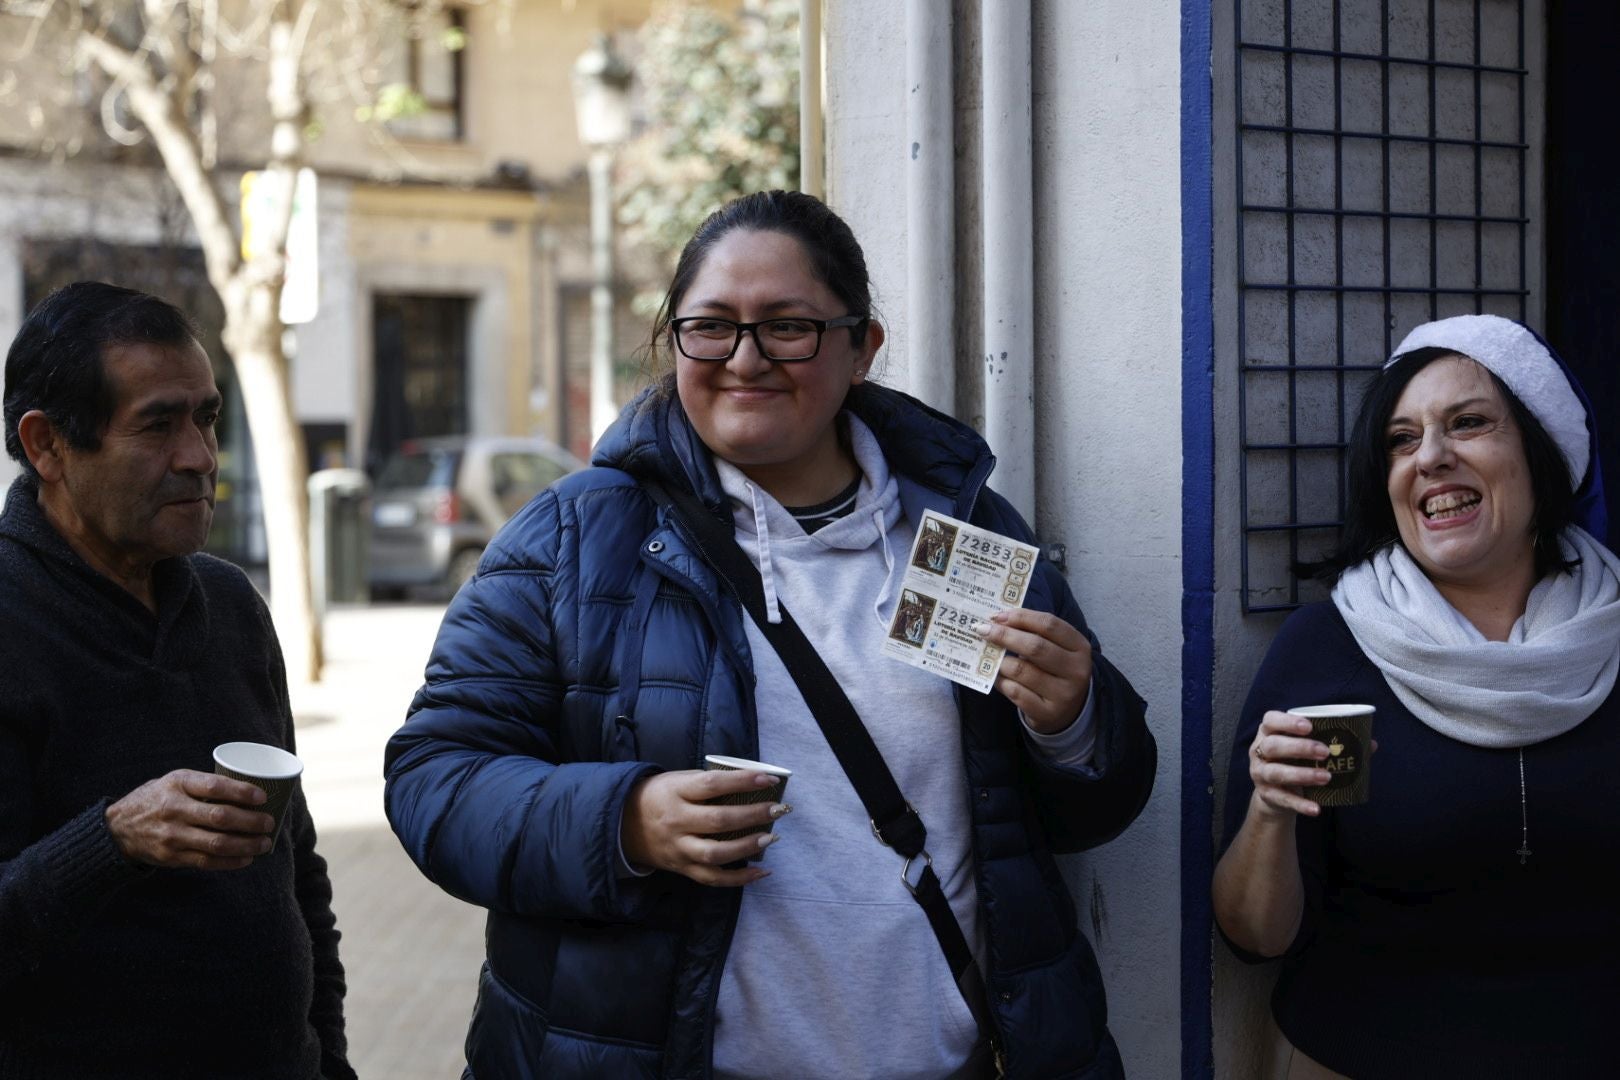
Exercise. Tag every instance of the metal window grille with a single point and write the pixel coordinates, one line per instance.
(1381, 182)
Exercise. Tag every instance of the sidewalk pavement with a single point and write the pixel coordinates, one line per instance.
(411, 952)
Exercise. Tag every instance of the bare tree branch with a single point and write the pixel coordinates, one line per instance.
(205, 26)
(117, 131)
(181, 155)
(244, 42)
(287, 110)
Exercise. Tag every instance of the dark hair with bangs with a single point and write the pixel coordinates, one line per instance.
(57, 360)
(835, 255)
(1369, 519)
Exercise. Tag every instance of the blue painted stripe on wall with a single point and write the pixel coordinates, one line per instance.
(1197, 537)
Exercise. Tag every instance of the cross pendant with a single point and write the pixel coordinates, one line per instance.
(1523, 854)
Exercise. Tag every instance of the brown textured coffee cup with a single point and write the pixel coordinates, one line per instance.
(1347, 731)
(750, 797)
(269, 768)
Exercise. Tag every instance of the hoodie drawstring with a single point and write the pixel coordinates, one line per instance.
(773, 610)
(888, 566)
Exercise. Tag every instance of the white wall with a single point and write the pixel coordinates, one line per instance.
(1108, 305)
(866, 135)
(1108, 391)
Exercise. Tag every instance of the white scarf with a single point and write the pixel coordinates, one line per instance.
(1556, 668)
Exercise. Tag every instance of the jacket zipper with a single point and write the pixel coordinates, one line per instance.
(751, 723)
(710, 611)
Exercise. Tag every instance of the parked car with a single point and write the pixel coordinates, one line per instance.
(437, 502)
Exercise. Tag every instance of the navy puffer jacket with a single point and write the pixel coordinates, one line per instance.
(592, 649)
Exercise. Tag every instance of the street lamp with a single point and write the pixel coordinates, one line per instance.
(602, 110)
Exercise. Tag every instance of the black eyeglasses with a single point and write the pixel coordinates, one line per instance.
(783, 341)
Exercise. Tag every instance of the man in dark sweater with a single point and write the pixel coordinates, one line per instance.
(147, 926)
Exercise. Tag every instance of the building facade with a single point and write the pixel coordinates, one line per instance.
(452, 235)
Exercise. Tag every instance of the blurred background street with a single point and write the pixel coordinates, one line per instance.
(412, 953)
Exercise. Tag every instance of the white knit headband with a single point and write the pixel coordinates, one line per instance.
(1514, 355)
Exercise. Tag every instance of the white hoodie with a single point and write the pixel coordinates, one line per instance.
(834, 971)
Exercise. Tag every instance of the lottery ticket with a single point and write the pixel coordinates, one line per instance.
(957, 575)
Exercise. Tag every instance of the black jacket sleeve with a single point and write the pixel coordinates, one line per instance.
(54, 884)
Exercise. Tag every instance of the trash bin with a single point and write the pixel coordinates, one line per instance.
(339, 534)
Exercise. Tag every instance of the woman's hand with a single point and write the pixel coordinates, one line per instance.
(1259, 894)
(1284, 738)
(667, 826)
(1047, 669)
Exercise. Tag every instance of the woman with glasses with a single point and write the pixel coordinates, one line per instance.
(551, 768)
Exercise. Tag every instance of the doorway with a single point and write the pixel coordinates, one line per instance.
(1583, 218)
(420, 386)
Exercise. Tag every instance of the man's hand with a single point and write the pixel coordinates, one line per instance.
(167, 822)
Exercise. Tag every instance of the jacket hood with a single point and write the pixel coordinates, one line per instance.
(652, 438)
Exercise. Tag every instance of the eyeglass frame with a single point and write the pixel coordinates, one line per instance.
(752, 328)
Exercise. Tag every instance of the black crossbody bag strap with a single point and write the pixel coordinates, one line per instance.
(893, 820)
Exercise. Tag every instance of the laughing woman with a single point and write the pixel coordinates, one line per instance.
(550, 769)
(1460, 923)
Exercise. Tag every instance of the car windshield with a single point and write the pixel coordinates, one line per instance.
(419, 469)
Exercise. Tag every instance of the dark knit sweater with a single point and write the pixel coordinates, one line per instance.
(1427, 949)
(109, 969)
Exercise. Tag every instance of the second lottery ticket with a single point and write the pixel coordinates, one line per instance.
(957, 575)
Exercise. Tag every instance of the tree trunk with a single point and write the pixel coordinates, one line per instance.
(253, 331)
(251, 292)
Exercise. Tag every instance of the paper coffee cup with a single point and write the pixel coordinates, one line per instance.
(749, 797)
(269, 768)
(1347, 731)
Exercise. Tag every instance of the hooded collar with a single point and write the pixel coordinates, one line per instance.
(758, 515)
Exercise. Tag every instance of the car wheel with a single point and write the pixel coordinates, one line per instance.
(462, 567)
(388, 592)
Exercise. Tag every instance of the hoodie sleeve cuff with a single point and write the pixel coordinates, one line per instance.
(1072, 747)
(627, 869)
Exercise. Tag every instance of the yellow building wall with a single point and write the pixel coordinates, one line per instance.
(517, 94)
(517, 97)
